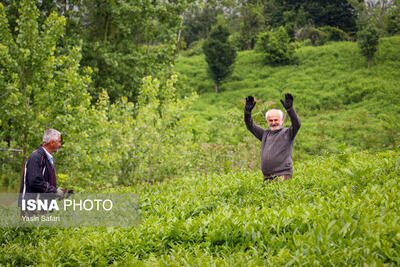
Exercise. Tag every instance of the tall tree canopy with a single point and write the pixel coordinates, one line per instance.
(122, 41)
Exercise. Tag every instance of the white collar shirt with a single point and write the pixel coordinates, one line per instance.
(49, 156)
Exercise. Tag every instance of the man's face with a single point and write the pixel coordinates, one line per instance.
(55, 145)
(275, 122)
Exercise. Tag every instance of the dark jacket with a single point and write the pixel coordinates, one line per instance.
(37, 177)
(276, 146)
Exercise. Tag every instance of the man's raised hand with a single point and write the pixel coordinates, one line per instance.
(288, 101)
(250, 103)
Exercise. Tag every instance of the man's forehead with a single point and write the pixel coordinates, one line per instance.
(274, 114)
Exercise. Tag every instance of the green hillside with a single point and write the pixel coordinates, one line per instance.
(340, 101)
(340, 210)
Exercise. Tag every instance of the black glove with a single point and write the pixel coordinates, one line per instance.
(250, 103)
(288, 101)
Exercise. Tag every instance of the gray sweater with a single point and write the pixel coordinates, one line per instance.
(276, 146)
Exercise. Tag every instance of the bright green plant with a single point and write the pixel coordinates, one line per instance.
(40, 87)
(121, 143)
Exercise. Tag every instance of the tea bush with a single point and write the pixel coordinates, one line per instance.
(337, 210)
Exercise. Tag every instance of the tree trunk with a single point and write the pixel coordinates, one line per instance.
(148, 49)
(216, 87)
(25, 142)
(106, 27)
(179, 37)
(24, 154)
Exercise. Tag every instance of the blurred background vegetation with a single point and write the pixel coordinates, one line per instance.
(128, 85)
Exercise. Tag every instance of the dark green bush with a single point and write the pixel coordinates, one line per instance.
(276, 47)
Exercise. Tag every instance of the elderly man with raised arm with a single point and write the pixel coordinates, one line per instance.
(277, 141)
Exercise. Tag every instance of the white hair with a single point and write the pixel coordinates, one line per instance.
(49, 135)
(280, 112)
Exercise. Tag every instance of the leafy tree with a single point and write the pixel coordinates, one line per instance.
(112, 147)
(126, 41)
(252, 23)
(377, 13)
(368, 40)
(122, 41)
(336, 13)
(276, 47)
(40, 88)
(198, 23)
(295, 14)
(220, 53)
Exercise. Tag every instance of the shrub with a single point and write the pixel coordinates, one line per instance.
(276, 47)
(334, 34)
(194, 48)
(316, 36)
(368, 40)
(237, 41)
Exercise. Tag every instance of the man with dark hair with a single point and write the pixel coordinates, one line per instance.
(277, 141)
(39, 175)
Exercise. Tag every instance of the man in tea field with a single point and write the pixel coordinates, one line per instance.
(277, 141)
(39, 175)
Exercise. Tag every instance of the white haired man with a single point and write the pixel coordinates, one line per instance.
(277, 141)
(39, 176)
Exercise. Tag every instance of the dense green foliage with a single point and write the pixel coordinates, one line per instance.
(248, 18)
(122, 41)
(219, 53)
(337, 211)
(276, 47)
(368, 40)
(198, 23)
(38, 84)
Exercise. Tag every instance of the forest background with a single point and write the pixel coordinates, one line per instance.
(126, 82)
